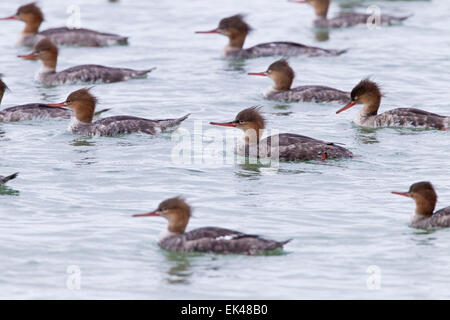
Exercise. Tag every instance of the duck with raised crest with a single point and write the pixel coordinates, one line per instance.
(284, 146)
(207, 239)
(33, 111)
(346, 19)
(425, 197)
(47, 52)
(369, 94)
(32, 15)
(83, 103)
(283, 75)
(236, 29)
(4, 179)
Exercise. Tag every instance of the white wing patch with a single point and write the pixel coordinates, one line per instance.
(228, 237)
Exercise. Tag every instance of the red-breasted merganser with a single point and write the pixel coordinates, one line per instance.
(4, 180)
(236, 29)
(83, 103)
(207, 239)
(425, 197)
(347, 19)
(33, 111)
(47, 52)
(32, 15)
(284, 146)
(368, 93)
(283, 75)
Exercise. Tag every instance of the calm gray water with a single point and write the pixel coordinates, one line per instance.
(73, 201)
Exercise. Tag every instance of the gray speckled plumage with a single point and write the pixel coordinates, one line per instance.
(33, 16)
(36, 111)
(439, 219)
(283, 146)
(82, 37)
(295, 147)
(4, 179)
(33, 111)
(368, 93)
(74, 37)
(281, 48)
(352, 18)
(411, 117)
(111, 126)
(310, 93)
(219, 240)
(90, 73)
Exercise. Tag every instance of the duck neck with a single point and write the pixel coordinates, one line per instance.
(424, 207)
(236, 42)
(177, 225)
(282, 83)
(49, 64)
(321, 8)
(31, 27)
(252, 134)
(370, 109)
(84, 113)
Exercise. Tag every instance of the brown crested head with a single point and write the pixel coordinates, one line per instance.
(422, 187)
(236, 29)
(177, 211)
(250, 116)
(424, 195)
(368, 93)
(234, 23)
(176, 203)
(365, 88)
(83, 103)
(46, 51)
(282, 74)
(30, 13)
(250, 121)
(45, 46)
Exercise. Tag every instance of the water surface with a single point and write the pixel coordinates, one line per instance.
(73, 201)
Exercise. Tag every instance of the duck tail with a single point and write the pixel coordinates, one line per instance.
(180, 120)
(171, 124)
(144, 72)
(122, 40)
(339, 52)
(10, 177)
(405, 17)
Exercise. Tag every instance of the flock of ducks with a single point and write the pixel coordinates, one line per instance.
(80, 105)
